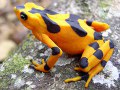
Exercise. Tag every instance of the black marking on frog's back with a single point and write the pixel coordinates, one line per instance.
(49, 11)
(20, 7)
(73, 17)
(89, 22)
(73, 22)
(52, 26)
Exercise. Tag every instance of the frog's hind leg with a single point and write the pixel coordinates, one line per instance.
(88, 76)
(87, 63)
(90, 49)
(97, 66)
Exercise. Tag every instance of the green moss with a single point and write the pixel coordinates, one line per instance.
(26, 44)
(16, 64)
(12, 66)
(4, 83)
(104, 16)
(77, 1)
(103, 4)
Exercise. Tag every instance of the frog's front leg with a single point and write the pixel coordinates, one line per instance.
(56, 53)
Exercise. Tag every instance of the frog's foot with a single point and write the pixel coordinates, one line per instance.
(40, 67)
(78, 78)
(87, 77)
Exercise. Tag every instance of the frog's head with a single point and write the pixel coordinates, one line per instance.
(29, 20)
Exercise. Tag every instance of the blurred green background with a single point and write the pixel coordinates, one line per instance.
(12, 32)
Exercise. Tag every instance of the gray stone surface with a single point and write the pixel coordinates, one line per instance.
(15, 74)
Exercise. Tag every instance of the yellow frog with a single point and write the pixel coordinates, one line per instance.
(68, 33)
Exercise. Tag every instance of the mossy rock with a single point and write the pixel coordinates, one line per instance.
(15, 73)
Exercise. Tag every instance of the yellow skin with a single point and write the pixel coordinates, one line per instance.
(68, 33)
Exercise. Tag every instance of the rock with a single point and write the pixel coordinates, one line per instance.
(5, 48)
(16, 75)
(2, 20)
(19, 83)
(95, 9)
(45, 3)
(11, 17)
(5, 6)
(19, 34)
(5, 31)
(3, 3)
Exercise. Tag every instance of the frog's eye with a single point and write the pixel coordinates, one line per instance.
(23, 16)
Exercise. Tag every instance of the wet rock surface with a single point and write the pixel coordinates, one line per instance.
(15, 73)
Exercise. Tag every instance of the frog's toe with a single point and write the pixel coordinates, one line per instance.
(73, 79)
(34, 63)
(43, 61)
(77, 69)
(31, 66)
(31, 60)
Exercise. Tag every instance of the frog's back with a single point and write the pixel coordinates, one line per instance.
(61, 22)
(63, 29)
(70, 28)
(69, 22)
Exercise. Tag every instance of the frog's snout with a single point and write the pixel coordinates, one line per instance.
(18, 8)
(15, 9)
